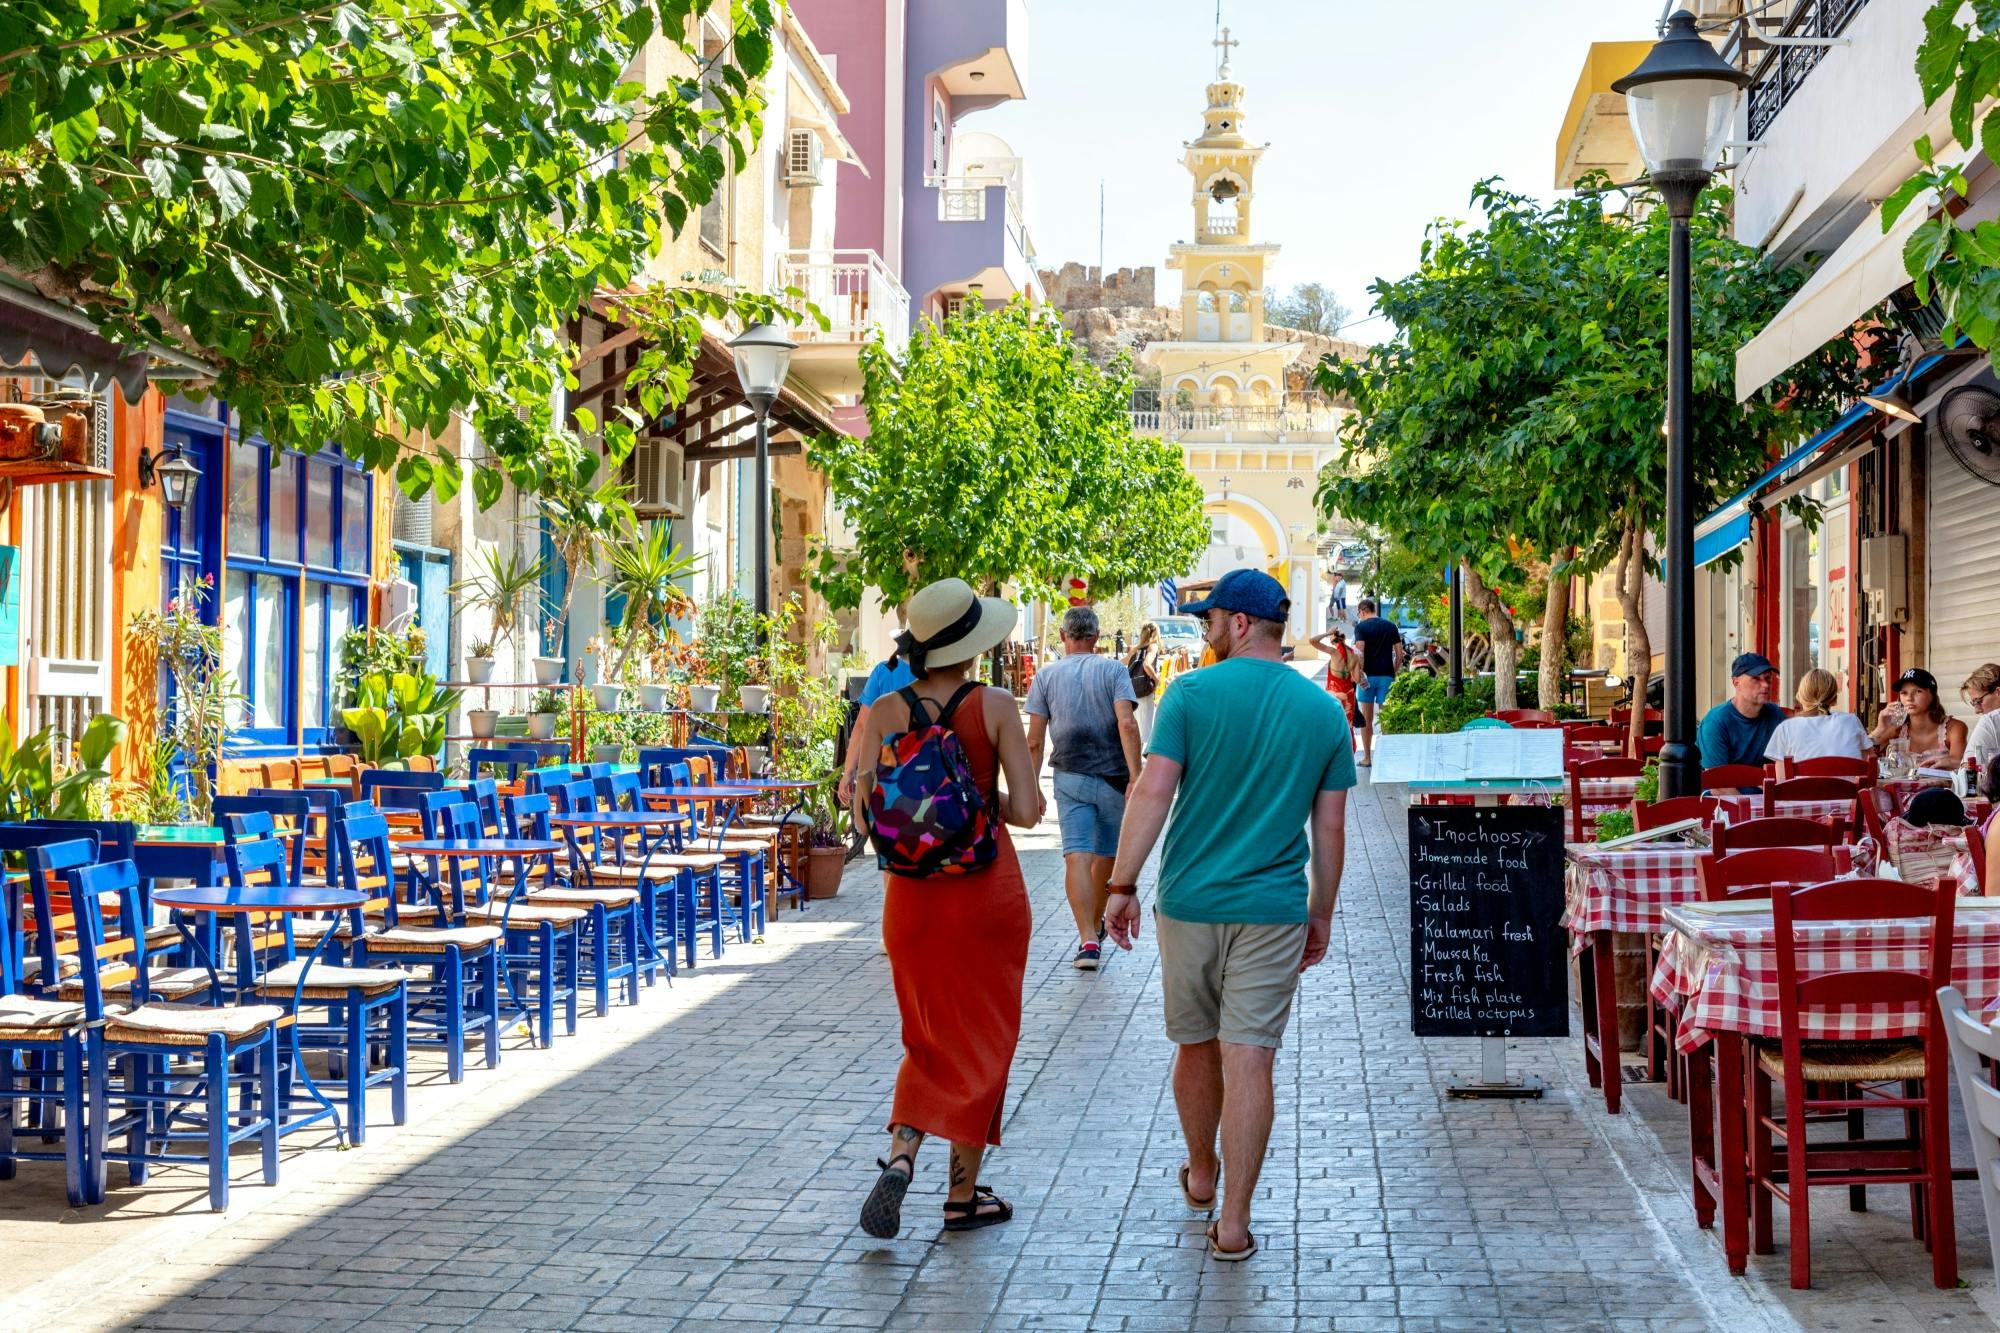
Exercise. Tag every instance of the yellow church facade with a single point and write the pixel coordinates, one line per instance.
(1234, 391)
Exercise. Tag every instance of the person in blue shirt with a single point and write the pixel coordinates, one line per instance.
(1737, 730)
(886, 678)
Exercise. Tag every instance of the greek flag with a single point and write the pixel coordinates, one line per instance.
(1170, 593)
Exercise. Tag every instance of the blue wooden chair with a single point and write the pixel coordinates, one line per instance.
(614, 904)
(367, 1008)
(509, 759)
(485, 793)
(182, 1062)
(41, 1038)
(374, 779)
(745, 852)
(460, 999)
(541, 939)
(33, 968)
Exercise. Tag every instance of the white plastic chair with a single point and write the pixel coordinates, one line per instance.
(1969, 1040)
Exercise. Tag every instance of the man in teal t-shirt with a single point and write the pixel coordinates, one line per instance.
(1245, 753)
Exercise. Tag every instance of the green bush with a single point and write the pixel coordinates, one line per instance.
(1418, 702)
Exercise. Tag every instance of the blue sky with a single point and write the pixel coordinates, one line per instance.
(1380, 114)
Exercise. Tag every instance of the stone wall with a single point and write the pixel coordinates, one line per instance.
(1087, 287)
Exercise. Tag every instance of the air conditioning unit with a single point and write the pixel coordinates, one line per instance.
(658, 474)
(805, 155)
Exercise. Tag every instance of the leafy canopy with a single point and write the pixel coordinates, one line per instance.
(370, 215)
(997, 453)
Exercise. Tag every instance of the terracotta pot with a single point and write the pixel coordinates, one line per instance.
(542, 726)
(482, 721)
(823, 867)
(479, 670)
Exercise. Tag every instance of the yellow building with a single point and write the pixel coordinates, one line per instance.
(1233, 389)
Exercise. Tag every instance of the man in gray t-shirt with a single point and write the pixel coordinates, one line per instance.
(1085, 705)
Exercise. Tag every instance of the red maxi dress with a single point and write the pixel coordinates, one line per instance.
(958, 949)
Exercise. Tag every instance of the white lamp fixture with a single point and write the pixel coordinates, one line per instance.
(1680, 100)
(763, 356)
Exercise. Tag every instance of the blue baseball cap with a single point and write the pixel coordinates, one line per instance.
(1250, 591)
(1751, 664)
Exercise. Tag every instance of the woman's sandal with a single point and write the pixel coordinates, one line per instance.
(1194, 1204)
(966, 1216)
(1216, 1252)
(882, 1211)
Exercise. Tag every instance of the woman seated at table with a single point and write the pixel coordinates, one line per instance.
(1934, 738)
(1815, 730)
(1981, 693)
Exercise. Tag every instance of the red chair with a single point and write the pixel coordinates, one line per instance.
(1595, 735)
(1622, 717)
(1650, 746)
(1807, 789)
(1732, 777)
(1581, 827)
(1517, 716)
(1975, 842)
(1781, 831)
(1652, 814)
(1753, 874)
(1841, 1076)
(1861, 772)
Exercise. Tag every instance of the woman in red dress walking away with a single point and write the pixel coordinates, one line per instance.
(957, 943)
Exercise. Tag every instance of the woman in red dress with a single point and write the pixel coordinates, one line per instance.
(958, 944)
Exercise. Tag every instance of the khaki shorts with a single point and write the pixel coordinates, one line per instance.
(1229, 979)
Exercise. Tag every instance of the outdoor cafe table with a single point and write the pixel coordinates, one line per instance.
(278, 900)
(183, 851)
(729, 795)
(1608, 891)
(434, 850)
(1718, 971)
(621, 820)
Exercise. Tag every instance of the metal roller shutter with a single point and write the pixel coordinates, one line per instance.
(1963, 546)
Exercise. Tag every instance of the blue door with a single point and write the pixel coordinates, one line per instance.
(430, 570)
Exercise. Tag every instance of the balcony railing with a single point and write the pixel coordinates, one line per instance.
(1302, 412)
(963, 199)
(1223, 226)
(1784, 69)
(856, 292)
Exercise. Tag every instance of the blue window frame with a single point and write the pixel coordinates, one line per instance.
(299, 541)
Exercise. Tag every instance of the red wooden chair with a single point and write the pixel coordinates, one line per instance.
(1652, 814)
(1821, 1076)
(1732, 777)
(1807, 789)
(1975, 842)
(1753, 874)
(1599, 735)
(1650, 746)
(1780, 831)
(1622, 717)
(1861, 772)
(1517, 716)
(1581, 827)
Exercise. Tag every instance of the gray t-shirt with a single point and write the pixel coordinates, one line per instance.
(1076, 693)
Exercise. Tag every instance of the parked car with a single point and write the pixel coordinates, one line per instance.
(1178, 632)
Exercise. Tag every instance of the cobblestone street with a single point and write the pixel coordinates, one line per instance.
(699, 1161)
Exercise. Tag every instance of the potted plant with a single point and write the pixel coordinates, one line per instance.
(400, 717)
(204, 695)
(579, 520)
(501, 584)
(756, 698)
(549, 667)
(485, 722)
(543, 711)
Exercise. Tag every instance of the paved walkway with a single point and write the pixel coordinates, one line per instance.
(698, 1161)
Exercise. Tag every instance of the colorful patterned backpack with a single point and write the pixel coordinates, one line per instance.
(926, 815)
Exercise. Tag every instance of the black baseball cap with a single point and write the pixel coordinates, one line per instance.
(1918, 677)
(1751, 664)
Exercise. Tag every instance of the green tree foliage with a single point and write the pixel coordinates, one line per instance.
(998, 454)
(370, 215)
(1310, 306)
(1958, 261)
(1514, 424)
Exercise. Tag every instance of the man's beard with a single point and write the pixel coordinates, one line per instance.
(1222, 648)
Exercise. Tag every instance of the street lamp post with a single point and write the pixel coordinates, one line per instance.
(1681, 99)
(1455, 682)
(763, 354)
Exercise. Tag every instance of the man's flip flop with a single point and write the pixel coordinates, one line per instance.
(1220, 1255)
(1194, 1205)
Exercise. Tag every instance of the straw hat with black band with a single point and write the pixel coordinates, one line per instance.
(949, 624)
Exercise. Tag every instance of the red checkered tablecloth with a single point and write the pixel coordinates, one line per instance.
(1737, 809)
(1721, 971)
(1629, 888)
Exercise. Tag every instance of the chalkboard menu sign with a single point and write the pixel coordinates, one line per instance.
(1487, 951)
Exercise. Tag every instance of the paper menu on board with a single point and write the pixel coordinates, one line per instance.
(1490, 754)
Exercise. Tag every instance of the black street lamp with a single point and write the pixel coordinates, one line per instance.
(763, 354)
(1681, 100)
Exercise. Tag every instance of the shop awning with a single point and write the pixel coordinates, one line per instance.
(56, 340)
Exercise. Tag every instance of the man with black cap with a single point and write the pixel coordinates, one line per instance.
(1737, 730)
(1245, 753)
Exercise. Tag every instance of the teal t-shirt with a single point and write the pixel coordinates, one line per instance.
(1257, 743)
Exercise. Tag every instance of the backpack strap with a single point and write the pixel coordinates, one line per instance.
(957, 698)
(920, 707)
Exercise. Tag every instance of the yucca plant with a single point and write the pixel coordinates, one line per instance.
(647, 573)
(503, 584)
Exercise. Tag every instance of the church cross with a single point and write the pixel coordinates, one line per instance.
(1225, 43)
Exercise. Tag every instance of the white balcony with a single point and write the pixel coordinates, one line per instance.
(862, 302)
(1307, 415)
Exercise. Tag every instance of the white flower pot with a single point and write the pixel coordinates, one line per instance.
(607, 754)
(654, 698)
(756, 698)
(756, 756)
(607, 697)
(479, 670)
(482, 721)
(549, 670)
(542, 726)
(701, 698)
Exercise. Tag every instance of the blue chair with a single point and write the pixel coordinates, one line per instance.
(485, 793)
(509, 759)
(284, 811)
(182, 1062)
(541, 943)
(358, 1000)
(31, 972)
(374, 779)
(461, 998)
(614, 933)
(42, 1039)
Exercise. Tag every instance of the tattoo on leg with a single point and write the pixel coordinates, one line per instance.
(957, 1169)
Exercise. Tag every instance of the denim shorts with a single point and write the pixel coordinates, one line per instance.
(1374, 690)
(1089, 811)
